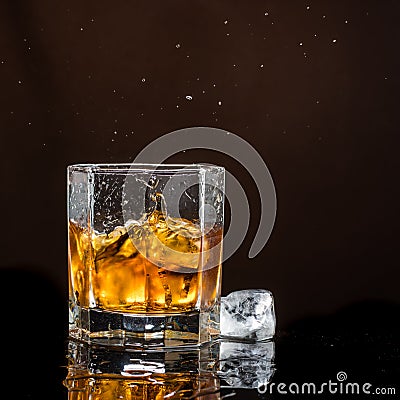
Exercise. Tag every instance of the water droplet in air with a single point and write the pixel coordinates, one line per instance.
(334, 40)
(226, 21)
(346, 21)
(262, 66)
(266, 14)
(178, 45)
(301, 44)
(189, 98)
(308, 7)
(143, 79)
(81, 29)
(220, 103)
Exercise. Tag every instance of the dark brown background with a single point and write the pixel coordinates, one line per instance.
(322, 112)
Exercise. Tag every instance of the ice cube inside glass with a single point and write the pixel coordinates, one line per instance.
(145, 248)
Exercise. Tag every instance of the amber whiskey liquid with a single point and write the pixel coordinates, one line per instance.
(159, 265)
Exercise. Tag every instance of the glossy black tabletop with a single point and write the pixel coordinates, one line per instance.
(359, 346)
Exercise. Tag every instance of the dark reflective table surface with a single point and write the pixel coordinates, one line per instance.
(362, 342)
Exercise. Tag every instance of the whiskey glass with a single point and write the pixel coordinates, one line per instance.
(145, 253)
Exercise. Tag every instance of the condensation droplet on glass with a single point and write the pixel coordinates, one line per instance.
(178, 45)
(189, 98)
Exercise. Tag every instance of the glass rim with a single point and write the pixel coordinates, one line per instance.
(143, 167)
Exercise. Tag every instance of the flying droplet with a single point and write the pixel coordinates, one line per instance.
(262, 66)
(301, 44)
(334, 40)
(178, 45)
(143, 79)
(266, 14)
(308, 7)
(226, 21)
(189, 98)
(220, 103)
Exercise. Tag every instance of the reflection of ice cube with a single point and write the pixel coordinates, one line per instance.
(246, 365)
(248, 314)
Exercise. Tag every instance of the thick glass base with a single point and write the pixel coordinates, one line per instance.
(109, 328)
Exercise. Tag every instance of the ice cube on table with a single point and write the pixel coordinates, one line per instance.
(246, 365)
(248, 314)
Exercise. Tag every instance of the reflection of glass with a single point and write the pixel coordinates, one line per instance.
(145, 253)
(206, 372)
(97, 373)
